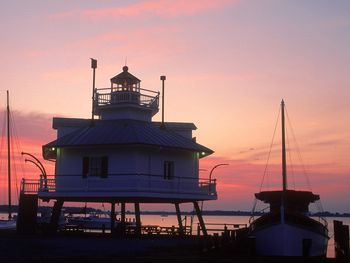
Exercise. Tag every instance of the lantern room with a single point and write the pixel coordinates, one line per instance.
(125, 99)
(125, 81)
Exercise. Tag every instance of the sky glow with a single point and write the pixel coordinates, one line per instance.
(228, 65)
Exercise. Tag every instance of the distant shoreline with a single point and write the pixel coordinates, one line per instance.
(83, 210)
(237, 213)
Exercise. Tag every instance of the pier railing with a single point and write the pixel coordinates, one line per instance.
(219, 228)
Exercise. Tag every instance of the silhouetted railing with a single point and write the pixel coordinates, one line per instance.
(220, 227)
(143, 97)
(30, 186)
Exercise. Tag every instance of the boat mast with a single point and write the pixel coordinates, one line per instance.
(8, 155)
(284, 166)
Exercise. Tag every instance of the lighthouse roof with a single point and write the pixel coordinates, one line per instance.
(125, 76)
(127, 132)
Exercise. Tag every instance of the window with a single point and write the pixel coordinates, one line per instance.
(95, 166)
(168, 170)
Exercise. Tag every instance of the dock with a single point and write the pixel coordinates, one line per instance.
(91, 247)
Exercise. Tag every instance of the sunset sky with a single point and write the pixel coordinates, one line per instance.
(228, 65)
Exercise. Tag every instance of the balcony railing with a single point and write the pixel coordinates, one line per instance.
(30, 186)
(124, 183)
(142, 97)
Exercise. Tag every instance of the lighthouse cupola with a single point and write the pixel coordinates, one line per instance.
(125, 99)
(125, 82)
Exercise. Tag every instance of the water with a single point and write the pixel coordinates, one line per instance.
(171, 220)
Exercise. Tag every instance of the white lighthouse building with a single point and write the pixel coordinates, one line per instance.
(122, 156)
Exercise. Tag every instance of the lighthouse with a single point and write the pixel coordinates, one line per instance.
(124, 100)
(122, 156)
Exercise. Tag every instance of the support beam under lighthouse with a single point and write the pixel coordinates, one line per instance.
(179, 220)
(200, 218)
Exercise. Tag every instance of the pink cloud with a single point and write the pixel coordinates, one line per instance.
(164, 39)
(160, 8)
(160, 38)
(33, 126)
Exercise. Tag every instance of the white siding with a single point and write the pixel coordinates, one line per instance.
(132, 171)
(129, 160)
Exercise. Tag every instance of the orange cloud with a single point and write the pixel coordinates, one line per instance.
(160, 8)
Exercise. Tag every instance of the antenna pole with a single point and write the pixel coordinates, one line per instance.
(284, 166)
(8, 155)
(93, 66)
(162, 78)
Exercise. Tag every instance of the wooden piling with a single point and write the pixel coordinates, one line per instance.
(27, 213)
(341, 240)
(55, 216)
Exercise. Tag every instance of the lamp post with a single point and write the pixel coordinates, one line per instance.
(93, 66)
(37, 162)
(216, 166)
(211, 172)
(39, 165)
(163, 78)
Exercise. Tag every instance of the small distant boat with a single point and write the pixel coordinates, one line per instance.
(10, 223)
(287, 230)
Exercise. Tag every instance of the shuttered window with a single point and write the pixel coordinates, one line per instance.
(95, 166)
(85, 166)
(104, 167)
(168, 170)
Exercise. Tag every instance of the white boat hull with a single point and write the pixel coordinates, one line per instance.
(282, 239)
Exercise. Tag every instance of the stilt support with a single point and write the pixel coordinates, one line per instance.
(122, 212)
(112, 217)
(178, 214)
(55, 216)
(122, 224)
(200, 218)
(138, 219)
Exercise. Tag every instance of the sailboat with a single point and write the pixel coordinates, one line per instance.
(287, 229)
(10, 223)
